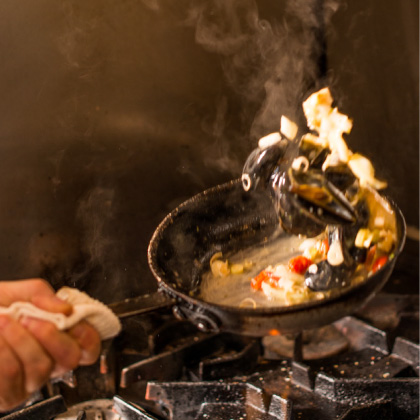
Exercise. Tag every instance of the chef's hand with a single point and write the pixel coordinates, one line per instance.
(33, 351)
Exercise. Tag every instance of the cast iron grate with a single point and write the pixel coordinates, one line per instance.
(173, 371)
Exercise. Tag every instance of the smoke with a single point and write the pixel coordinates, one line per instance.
(271, 62)
(279, 61)
(96, 213)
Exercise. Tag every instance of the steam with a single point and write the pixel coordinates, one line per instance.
(96, 213)
(281, 60)
(271, 64)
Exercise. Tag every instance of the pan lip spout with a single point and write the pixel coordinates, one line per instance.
(357, 294)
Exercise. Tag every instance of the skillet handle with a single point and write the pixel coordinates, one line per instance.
(141, 304)
(202, 319)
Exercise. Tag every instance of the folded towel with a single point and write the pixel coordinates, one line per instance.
(84, 308)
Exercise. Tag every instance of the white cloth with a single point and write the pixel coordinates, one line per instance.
(84, 308)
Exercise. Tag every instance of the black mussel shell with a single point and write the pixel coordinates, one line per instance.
(358, 254)
(260, 165)
(296, 216)
(323, 276)
(315, 154)
(340, 176)
(313, 186)
(362, 220)
(306, 203)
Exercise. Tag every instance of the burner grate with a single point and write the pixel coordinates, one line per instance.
(169, 370)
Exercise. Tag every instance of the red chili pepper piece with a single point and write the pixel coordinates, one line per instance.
(299, 264)
(264, 276)
(379, 263)
(370, 256)
(273, 281)
(324, 247)
(257, 280)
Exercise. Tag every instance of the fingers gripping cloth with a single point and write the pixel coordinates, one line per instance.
(84, 308)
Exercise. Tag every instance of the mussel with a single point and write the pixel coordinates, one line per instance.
(308, 201)
(305, 200)
(337, 270)
(261, 163)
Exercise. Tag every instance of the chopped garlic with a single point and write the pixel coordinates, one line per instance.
(379, 221)
(361, 238)
(269, 140)
(363, 169)
(386, 240)
(288, 128)
(364, 238)
(237, 268)
(219, 268)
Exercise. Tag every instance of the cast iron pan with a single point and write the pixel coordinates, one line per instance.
(226, 218)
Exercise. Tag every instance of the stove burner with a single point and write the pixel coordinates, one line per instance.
(216, 400)
(45, 409)
(163, 369)
(316, 344)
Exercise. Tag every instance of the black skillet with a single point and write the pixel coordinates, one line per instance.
(226, 218)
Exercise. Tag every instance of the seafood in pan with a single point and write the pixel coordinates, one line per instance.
(328, 201)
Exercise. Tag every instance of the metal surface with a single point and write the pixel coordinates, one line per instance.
(226, 219)
(102, 409)
(217, 401)
(141, 304)
(129, 411)
(45, 410)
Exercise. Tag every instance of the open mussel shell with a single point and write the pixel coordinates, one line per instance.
(315, 154)
(307, 202)
(340, 176)
(260, 165)
(325, 276)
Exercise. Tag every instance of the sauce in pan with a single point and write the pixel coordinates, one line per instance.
(235, 289)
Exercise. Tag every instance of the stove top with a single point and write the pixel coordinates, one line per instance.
(362, 366)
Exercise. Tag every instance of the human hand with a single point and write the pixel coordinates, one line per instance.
(31, 350)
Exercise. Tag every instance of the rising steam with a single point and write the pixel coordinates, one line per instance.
(284, 58)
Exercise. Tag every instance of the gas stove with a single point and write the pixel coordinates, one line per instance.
(362, 366)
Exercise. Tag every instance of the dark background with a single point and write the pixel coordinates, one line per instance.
(112, 113)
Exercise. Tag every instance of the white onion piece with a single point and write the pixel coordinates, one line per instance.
(363, 169)
(317, 107)
(308, 243)
(288, 128)
(269, 140)
(283, 272)
(315, 140)
(335, 254)
(273, 293)
(333, 159)
(301, 163)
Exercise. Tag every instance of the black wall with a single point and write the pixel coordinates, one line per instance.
(112, 113)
